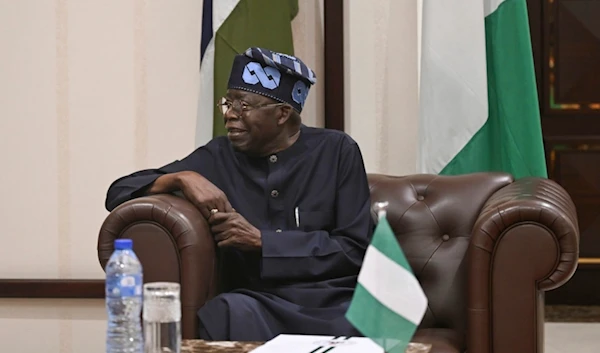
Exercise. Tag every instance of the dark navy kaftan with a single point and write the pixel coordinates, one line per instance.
(302, 281)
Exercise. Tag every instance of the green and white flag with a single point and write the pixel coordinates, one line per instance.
(229, 27)
(388, 303)
(478, 96)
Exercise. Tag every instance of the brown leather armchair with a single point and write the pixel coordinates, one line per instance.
(484, 247)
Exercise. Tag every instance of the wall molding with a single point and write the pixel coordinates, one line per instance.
(52, 288)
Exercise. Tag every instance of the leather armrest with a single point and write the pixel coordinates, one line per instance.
(173, 242)
(525, 241)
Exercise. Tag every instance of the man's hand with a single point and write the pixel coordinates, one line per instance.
(197, 189)
(231, 229)
(203, 194)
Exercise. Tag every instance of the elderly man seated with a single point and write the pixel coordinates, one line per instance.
(288, 206)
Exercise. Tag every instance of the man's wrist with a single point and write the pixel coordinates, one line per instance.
(178, 180)
(164, 184)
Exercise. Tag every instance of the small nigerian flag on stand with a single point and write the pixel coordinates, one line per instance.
(388, 303)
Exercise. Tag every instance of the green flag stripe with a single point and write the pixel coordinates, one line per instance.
(374, 320)
(385, 241)
(511, 139)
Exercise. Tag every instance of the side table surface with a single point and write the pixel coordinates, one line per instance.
(200, 346)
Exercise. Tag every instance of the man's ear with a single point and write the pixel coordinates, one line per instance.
(285, 114)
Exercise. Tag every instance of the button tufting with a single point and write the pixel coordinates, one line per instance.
(273, 158)
(278, 231)
(445, 237)
(274, 193)
(420, 198)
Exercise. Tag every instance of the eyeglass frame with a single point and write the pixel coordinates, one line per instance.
(245, 107)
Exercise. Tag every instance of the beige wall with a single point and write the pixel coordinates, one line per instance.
(52, 326)
(91, 90)
(308, 30)
(381, 93)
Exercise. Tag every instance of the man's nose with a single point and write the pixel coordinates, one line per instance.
(231, 114)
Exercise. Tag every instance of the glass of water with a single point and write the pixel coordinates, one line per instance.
(162, 317)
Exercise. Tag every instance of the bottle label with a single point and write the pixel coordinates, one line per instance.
(124, 286)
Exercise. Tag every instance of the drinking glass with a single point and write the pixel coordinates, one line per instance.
(162, 317)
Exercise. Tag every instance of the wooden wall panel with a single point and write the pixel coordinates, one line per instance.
(565, 38)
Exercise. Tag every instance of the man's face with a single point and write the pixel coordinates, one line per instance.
(251, 126)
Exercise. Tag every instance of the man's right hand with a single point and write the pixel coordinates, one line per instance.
(197, 189)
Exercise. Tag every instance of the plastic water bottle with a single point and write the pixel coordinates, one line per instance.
(124, 300)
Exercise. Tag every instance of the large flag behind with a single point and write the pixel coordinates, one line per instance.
(229, 27)
(478, 101)
(388, 303)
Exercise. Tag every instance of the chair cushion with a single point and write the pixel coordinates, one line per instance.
(433, 217)
(442, 340)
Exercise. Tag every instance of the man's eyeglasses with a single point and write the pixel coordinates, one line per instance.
(225, 104)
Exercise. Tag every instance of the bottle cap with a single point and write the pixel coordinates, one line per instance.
(123, 244)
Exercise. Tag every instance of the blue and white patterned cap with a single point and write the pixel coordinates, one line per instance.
(281, 77)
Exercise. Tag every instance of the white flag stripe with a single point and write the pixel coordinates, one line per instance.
(491, 6)
(221, 10)
(206, 95)
(453, 88)
(393, 286)
(206, 99)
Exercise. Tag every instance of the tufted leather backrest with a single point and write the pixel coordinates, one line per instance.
(433, 217)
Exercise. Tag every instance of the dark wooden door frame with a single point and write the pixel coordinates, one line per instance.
(334, 119)
(334, 64)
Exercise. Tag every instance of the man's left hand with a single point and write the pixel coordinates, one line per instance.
(231, 229)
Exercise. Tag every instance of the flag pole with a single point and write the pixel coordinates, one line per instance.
(380, 209)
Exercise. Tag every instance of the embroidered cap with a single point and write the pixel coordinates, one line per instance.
(281, 77)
